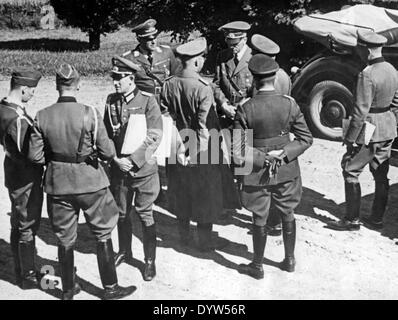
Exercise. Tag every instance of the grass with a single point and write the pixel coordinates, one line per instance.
(44, 49)
(23, 2)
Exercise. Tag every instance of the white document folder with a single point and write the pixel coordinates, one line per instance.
(136, 133)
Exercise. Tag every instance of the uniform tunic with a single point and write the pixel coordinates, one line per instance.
(271, 117)
(70, 184)
(143, 180)
(22, 178)
(375, 90)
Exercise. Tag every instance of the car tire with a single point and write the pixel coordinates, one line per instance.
(329, 102)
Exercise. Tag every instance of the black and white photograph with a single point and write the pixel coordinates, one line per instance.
(208, 151)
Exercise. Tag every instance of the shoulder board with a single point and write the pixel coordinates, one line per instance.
(203, 81)
(168, 78)
(126, 53)
(164, 46)
(148, 94)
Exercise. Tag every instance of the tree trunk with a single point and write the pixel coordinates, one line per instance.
(95, 40)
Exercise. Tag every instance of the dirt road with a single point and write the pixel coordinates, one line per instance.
(331, 264)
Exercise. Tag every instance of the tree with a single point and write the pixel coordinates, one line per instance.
(95, 17)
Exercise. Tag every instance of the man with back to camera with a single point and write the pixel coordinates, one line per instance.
(134, 176)
(22, 178)
(68, 138)
(276, 176)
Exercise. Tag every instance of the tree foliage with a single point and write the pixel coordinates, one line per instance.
(95, 17)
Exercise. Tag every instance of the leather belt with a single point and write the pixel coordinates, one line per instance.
(379, 110)
(68, 159)
(267, 142)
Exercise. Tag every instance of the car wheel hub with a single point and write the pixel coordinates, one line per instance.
(332, 113)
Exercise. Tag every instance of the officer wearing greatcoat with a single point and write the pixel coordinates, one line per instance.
(22, 178)
(198, 183)
(275, 174)
(134, 176)
(69, 138)
(376, 86)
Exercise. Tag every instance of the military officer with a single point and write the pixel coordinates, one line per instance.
(283, 85)
(189, 100)
(262, 44)
(22, 178)
(275, 174)
(233, 80)
(157, 63)
(68, 138)
(136, 173)
(375, 89)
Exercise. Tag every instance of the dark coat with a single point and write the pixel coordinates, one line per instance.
(57, 131)
(271, 117)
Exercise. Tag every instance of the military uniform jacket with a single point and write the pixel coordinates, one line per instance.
(283, 84)
(15, 128)
(117, 112)
(375, 89)
(149, 77)
(232, 83)
(57, 131)
(190, 102)
(271, 117)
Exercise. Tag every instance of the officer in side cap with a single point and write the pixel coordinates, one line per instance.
(157, 63)
(283, 85)
(22, 178)
(262, 44)
(134, 176)
(69, 138)
(190, 102)
(233, 79)
(375, 99)
(275, 175)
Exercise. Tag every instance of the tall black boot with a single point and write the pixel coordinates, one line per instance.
(27, 253)
(289, 242)
(107, 270)
(353, 206)
(70, 287)
(14, 242)
(255, 268)
(375, 220)
(149, 240)
(124, 230)
(206, 244)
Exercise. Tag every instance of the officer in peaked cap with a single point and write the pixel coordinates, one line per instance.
(233, 79)
(194, 179)
(262, 44)
(134, 176)
(157, 64)
(74, 137)
(376, 96)
(157, 61)
(22, 178)
(275, 175)
(283, 85)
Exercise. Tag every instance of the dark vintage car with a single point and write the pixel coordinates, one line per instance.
(324, 85)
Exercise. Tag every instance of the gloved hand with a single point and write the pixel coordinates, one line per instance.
(273, 160)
